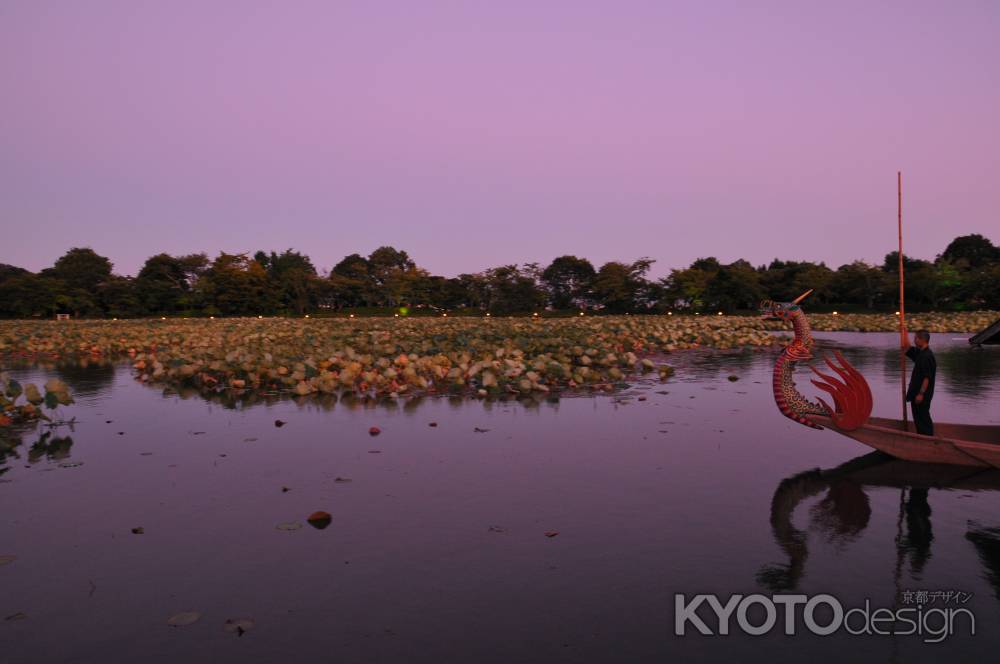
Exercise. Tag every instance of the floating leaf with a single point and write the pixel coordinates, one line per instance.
(374, 431)
(289, 525)
(184, 618)
(551, 533)
(139, 531)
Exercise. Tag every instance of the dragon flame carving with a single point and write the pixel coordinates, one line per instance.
(852, 398)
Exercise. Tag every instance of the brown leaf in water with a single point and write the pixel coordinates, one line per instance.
(184, 618)
(551, 533)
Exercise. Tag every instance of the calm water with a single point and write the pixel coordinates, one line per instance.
(437, 550)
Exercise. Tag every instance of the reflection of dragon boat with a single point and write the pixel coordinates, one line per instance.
(850, 414)
(843, 512)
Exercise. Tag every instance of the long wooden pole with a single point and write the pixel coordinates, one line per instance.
(902, 307)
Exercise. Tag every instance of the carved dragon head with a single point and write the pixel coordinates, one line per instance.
(786, 311)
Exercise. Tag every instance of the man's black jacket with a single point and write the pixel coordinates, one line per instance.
(924, 366)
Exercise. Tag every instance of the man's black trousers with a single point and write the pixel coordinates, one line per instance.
(922, 417)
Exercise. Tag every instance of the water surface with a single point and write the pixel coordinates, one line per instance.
(437, 550)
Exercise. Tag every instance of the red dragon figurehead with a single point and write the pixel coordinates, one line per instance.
(852, 398)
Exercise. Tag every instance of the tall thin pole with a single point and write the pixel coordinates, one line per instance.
(902, 308)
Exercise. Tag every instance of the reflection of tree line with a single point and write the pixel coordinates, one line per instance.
(844, 512)
(965, 371)
(325, 402)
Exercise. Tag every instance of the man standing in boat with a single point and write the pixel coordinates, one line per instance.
(921, 388)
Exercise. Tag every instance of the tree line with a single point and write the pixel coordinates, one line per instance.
(966, 275)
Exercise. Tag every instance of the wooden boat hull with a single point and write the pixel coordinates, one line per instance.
(953, 444)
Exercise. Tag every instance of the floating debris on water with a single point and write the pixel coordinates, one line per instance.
(184, 618)
(238, 626)
(319, 520)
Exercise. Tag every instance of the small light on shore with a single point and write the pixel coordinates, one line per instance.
(395, 315)
(352, 315)
(535, 314)
(211, 317)
(581, 313)
(670, 313)
(834, 313)
(445, 315)
(259, 316)
(897, 313)
(163, 318)
(114, 319)
(487, 314)
(307, 315)
(720, 313)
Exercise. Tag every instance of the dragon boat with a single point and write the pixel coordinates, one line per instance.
(850, 413)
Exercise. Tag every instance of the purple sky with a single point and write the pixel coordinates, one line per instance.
(474, 134)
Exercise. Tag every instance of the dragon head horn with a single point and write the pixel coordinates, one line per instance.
(802, 297)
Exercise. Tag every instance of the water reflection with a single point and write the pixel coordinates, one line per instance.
(844, 512)
(48, 446)
(987, 543)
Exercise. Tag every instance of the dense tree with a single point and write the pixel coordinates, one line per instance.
(621, 287)
(237, 285)
(973, 251)
(734, 286)
(28, 295)
(292, 280)
(118, 297)
(350, 282)
(81, 268)
(964, 276)
(568, 280)
(860, 284)
(510, 289)
(8, 271)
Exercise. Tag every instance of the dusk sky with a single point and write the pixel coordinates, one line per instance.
(475, 134)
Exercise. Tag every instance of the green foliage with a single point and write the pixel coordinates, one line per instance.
(81, 283)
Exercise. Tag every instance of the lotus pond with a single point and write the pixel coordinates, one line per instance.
(172, 514)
